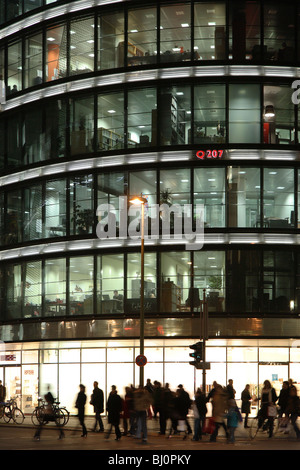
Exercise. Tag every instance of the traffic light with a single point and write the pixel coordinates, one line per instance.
(197, 355)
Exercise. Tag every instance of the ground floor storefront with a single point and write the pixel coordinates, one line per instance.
(28, 369)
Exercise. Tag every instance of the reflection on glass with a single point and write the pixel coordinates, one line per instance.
(82, 125)
(142, 32)
(110, 121)
(33, 137)
(209, 190)
(55, 208)
(81, 205)
(33, 60)
(111, 186)
(110, 284)
(244, 113)
(175, 32)
(244, 32)
(279, 119)
(32, 289)
(142, 114)
(14, 68)
(110, 41)
(55, 287)
(32, 219)
(279, 31)
(14, 292)
(14, 217)
(209, 114)
(56, 53)
(82, 50)
(279, 209)
(243, 197)
(55, 129)
(81, 286)
(278, 281)
(176, 282)
(210, 31)
(175, 116)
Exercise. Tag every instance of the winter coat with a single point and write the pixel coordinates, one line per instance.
(114, 408)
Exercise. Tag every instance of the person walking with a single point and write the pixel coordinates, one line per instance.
(48, 415)
(80, 405)
(233, 419)
(268, 400)
(200, 410)
(230, 390)
(142, 402)
(184, 403)
(97, 400)
(246, 403)
(293, 409)
(283, 398)
(219, 405)
(114, 409)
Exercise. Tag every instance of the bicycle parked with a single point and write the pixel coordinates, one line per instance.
(42, 414)
(10, 411)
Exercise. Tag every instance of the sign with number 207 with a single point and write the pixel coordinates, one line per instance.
(201, 154)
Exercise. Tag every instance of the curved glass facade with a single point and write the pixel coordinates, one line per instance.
(185, 103)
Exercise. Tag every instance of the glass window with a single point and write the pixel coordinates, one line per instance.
(2, 211)
(210, 31)
(278, 293)
(111, 187)
(55, 129)
(55, 208)
(175, 187)
(209, 190)
(174, 119)
(2, 143)
(142, 114)
(13, 9)
(209, 114)
(110, 284)
(142, 30)
(14, 218)
(244, 35)
(34, 60)
(110, 121)
(32, 219)
(33, 137)
(32, 4)
(56, 53)
(175, 32)
(134, 282)
(243, 197)
(14, 68)
(279, 210)
(244, 113)
(55, 287)
(111, 41)
(209, 274)
(82, 125)
(176, 282)
(279, 31)
(279, 118)
(81, 285)
(243, 282)
(32, 289)
(14, 141)
(82, 46)
(81, 204)
(14, 291)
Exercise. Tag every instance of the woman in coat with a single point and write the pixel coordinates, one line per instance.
(80, 405)
(114, 409)
(246, 399)
(268, 400)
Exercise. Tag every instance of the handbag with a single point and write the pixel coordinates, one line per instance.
(209, 426)
(272, 412)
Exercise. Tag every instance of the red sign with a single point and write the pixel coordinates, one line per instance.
(201, 154)
(141, 360)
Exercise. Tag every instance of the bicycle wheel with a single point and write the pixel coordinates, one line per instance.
(65, 414)
(59, 417)
(18, 415)
(37, 417)
(253, 428)
(7, 414)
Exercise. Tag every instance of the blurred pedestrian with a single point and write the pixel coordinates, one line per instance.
(230, 390)
(142, 401)
(200, 410)
(48, 414)
(184, 404)
(283, 398)
(97, 400)
(219, 405)
(246, 404)
(80, 405)
(233, 419)
(293, 409)
(267, 410)
(114, 409)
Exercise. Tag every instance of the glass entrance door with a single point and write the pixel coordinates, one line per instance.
(12, 381)
(276, 373)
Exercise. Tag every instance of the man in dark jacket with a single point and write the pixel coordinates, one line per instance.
(184, 403)
(114, 408)
(97, 400)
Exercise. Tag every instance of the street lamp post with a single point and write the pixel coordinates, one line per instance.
(139, 200)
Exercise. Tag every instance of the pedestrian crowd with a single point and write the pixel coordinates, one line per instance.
(171, 408)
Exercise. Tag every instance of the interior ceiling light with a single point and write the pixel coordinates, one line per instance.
(270, 111)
